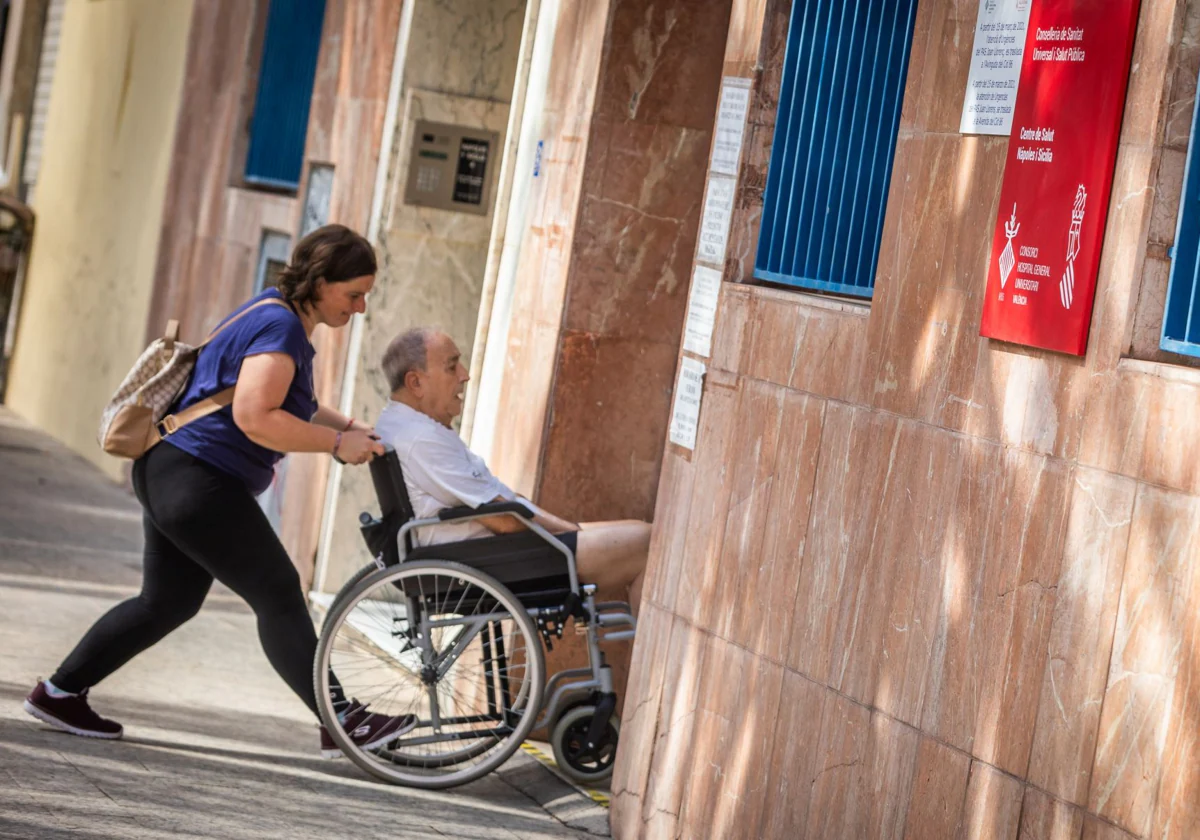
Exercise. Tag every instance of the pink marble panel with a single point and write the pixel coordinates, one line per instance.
(1004, 545)
(733, 739)
(857, 449)
(1030, 532)
(889, 778)
(924, 55)
(1119, 408)
(763, 621)
(670, 527)
(1152, 623)
(632, 255)
(1095, 829)
(938, 791)
(1177, 812)
(659, 61)
(1044, 818)
(971, 618)
(1168, 189)
(836, 807)
(1183, 87)
(992, 810)
(734, 328)
(1149, 82)
(710, 494)
(793, 768)
(832, 359)
(779, 332)
(1170, 458)
(685, 679)
(900, 623)
(1124, 247)
(639, 721)
(751, 459)
(602, 451)
(1085, 614)
(742, 47)
(913, 349)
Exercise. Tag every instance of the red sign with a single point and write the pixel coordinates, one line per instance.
(1061, 154)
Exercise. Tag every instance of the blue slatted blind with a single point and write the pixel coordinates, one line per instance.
(1181, 321)
(285, 87)
(835, 136)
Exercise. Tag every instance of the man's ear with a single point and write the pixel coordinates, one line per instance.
(412, 383)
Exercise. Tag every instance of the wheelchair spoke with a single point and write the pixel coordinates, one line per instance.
(449, 646)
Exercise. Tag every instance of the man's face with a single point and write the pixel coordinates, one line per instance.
(443, 380)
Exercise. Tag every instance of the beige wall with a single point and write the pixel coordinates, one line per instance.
(109, 136)
(913, 583)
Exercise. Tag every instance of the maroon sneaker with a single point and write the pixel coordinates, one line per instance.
(70, 714)
(366, 729)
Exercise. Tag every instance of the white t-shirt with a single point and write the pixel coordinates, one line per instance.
(439, 472)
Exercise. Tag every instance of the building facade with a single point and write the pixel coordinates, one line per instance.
(906, 580)
(909, 581)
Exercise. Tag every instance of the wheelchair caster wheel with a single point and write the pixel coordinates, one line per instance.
(583, 762)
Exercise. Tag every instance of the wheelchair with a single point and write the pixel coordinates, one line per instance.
(453, 634)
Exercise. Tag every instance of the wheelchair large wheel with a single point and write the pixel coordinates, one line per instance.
(446, 643)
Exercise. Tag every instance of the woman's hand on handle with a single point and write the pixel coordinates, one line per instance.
(358, 447)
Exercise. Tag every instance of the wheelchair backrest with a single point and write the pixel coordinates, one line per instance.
(388, 478)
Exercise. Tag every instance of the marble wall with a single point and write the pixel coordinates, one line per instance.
(912, 582)
(213, 223)
(605, 259)
(460, 61)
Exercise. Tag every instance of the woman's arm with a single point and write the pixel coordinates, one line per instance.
(262, 385)
(337, 421)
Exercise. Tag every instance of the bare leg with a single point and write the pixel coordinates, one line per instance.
(612, 555)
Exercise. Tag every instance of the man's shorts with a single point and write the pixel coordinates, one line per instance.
(522, 561)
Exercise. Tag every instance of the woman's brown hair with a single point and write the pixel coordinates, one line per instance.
(333, 253)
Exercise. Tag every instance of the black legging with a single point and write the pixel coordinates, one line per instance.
(200, 523)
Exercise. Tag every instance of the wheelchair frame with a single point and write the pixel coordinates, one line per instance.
(597, 615)
(599, 621)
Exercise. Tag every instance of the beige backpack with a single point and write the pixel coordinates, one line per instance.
(136, 418)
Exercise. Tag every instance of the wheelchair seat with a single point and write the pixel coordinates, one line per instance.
(532, 568)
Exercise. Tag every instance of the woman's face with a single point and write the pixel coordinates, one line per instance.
(337, 302)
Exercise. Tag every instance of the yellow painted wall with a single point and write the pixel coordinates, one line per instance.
(99, 202)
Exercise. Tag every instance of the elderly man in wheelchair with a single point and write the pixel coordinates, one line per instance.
(469, 581)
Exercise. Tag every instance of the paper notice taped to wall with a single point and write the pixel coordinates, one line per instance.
(731, 125)
(714, 224)
(995, 67)
(702, 311)
(685, 413)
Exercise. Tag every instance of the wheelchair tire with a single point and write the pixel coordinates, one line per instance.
(412, 759)
(424, 625)
(583, 764)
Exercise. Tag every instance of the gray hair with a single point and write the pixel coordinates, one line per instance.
(406, 352)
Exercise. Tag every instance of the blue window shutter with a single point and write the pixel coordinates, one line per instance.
(1181, 320)
(835, 137)
(285, 86)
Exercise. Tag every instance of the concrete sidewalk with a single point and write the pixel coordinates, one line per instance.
(216, 746)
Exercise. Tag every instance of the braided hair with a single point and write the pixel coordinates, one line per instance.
(332, 253)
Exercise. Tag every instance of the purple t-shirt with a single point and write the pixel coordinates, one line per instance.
(216, 439)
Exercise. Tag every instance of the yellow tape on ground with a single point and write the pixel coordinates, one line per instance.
(596, 796)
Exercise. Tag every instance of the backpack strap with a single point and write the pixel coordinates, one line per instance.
(265, 302)
(209, 405)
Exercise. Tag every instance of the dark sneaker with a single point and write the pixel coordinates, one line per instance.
(70, 714)
(367, 729)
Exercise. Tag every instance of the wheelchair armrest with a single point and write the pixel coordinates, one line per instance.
(450, 514)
